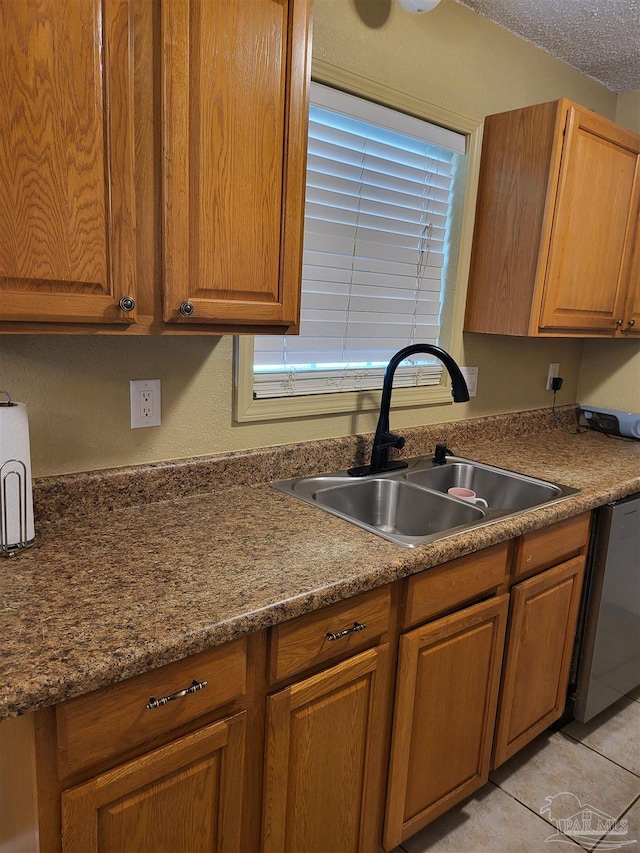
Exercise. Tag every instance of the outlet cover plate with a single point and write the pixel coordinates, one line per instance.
(471, 378)
(146, 403)
(554, 370)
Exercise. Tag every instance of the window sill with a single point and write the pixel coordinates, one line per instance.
(247, 409)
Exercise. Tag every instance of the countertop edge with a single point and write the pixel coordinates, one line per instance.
(406, 562)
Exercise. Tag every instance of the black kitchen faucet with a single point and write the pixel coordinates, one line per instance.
(384, 439)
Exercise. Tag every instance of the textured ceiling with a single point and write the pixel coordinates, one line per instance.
(601, 38)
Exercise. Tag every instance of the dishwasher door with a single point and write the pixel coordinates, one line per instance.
(609, 661)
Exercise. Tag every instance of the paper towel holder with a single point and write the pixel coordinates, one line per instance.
(13, 468)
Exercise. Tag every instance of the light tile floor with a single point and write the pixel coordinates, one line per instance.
(590, 770)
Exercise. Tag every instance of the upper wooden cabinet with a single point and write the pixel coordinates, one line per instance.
(156, 153)
(235, 98)
(67, 212)
(556, 248)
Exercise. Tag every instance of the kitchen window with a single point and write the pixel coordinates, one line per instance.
(383, 220)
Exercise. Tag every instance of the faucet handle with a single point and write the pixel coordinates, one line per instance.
(390, 439)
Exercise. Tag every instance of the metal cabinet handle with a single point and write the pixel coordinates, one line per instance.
(619, 322)
(158, 703)
(357, 626)
(127, 303)
(187, 309)
(631, 323)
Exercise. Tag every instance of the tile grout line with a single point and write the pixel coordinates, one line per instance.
(537, 814)
(626, 811)
(601, 754)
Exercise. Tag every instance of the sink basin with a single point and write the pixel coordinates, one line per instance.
(390, 506)
(501, 489)
(411, 506)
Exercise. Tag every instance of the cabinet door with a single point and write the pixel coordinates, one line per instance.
(235, 89)
(182, 798)
(589, 270)
(446, 696)
(631, 322)
(542, 623)
(323, 777)
(67, 244)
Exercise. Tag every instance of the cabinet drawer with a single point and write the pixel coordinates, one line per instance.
(310, 639)
(454, 584)
(541, 549)
(115, 719)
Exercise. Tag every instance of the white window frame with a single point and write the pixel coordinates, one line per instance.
(248, 409)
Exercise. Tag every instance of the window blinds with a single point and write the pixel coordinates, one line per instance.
(379, 187)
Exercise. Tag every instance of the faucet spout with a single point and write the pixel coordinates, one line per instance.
(384, 438)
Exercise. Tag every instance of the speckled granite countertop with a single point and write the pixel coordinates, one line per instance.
(125, 577)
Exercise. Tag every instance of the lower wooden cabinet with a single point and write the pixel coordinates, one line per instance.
(542, 624)
(446, 697)
(185, 797)
(339, 762)
(324, 759)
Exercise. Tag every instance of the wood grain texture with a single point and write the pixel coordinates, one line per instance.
(111, 721)
(235, 97)
(515, 194)
(631, 324)
(454, 584)
(556, 225)
(324, 759)
(588, 271)
(542, 623)
(18, 783)
(302, 643)
(67, 217)
(184, 797)
(543, 548)
(446, 697)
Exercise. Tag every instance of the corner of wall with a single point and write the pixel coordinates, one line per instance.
(628, 110)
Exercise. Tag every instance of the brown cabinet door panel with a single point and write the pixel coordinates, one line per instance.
(446, 697)
(182, 798)
(234, 125)
(590, 258)
(67, 218)
(323, 759)
(542, 622)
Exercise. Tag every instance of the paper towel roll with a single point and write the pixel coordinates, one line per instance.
(14, 450)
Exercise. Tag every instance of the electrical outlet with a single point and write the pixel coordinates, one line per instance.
(144, 395)
(471, 378)
(554, 370)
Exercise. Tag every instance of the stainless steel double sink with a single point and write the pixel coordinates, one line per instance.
(412, 506)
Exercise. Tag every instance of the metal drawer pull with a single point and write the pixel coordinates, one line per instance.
(195, 686)
(357, 626)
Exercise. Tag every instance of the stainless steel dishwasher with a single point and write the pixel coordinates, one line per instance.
(607, 658)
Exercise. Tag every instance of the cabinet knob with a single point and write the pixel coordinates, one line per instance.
(187, 309)
(619, 322)
(127, 303)
(631, 323)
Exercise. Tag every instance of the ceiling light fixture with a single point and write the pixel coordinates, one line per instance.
(418, 6)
